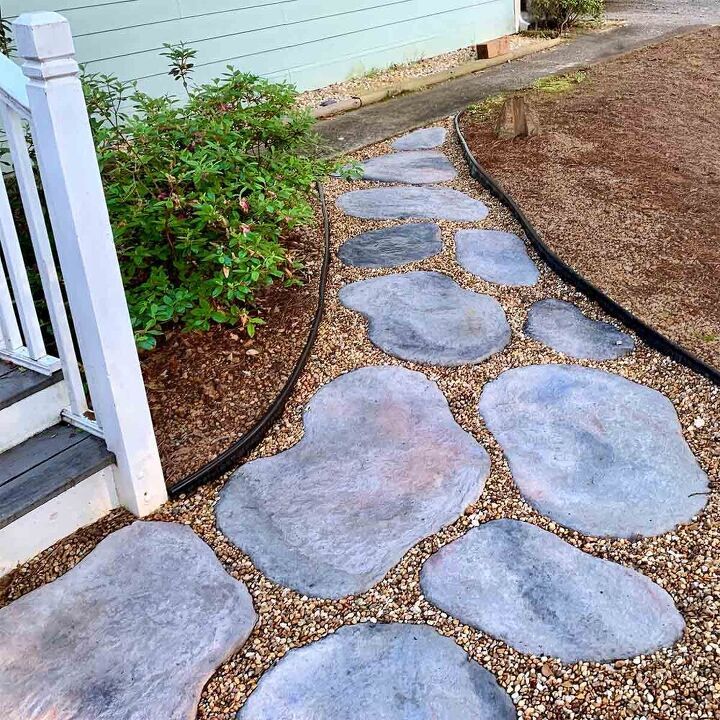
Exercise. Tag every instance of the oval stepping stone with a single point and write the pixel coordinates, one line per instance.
(541, 595)
(418, 167)
(496, 256)
(427, 317)
(423, 139)
(382, 464)
(594, 451)
(563, 327)
(393, 246)
(133, 631)
(383, 672)
(424, 203)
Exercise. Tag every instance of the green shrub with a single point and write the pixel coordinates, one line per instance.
(201, 193)
(563, 14)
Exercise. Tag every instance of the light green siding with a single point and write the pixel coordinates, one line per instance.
(308, 42)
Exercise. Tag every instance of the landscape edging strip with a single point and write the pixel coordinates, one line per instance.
(253, 437)
(647, 333)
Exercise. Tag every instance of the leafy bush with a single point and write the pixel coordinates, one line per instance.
(563, 14)
(201, 193)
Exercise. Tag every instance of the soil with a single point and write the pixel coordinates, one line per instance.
(206, 390)
(624, 182)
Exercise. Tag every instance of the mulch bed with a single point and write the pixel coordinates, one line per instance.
(624, 183)
(207, 389)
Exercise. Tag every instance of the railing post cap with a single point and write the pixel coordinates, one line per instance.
(43, 36)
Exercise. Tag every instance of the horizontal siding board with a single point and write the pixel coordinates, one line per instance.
(308, 42)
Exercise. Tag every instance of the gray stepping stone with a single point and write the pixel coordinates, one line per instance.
(427, 317)
(543, 596)
(418, 167)
(423, 139)
(496, 256)
(382, 464)
(423, 203)
(133, 631)
(563, 327)
(383, 672)
(594, 451)
(393, 246)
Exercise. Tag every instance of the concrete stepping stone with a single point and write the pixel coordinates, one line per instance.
(422, 203)
(543, 596)
(427, 317)
(423, 139)
(133, 631)
(382, 464)
(393, 246)
(594, 451)
(417, 167)
(563, 327)
(496, 256)
(384, 672)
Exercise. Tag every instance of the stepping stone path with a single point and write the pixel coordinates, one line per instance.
(382, 464)
(384, 672)
(427, 317)
(133, 631)
(541, 595)
(563, 327)
(424, 139)
(420, 167)
(423, 203)
(594, 451)
(393, 246)
(496, 256)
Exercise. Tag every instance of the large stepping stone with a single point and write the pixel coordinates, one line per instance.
(563, 327)
(427, 317)
(383, 672)
(133, 631)
(423, 203)
(594, 451)
(496, 256)
(382, 464)
(418, 167)
(423, 139)
(393, 246)
(541, 595)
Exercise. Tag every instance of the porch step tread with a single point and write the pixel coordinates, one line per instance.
(45, 465)
(18, 383)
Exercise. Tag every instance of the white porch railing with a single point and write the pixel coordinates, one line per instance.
(46, 96)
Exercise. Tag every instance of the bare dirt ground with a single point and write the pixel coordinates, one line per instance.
(624, 182)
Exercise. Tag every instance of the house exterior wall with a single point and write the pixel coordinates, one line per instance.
(310, 43)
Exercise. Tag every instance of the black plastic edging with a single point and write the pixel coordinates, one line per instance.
(644, 331)
(247, 442)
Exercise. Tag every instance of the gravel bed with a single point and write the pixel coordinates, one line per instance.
(682, 682)
(380, 78)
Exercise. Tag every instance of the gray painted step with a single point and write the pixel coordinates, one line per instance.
(18, 383)
(45, 465)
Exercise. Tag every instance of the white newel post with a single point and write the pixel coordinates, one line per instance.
(83, 237)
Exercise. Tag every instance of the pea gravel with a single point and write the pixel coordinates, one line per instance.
(678, 683)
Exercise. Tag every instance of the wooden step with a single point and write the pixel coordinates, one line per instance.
(29, 402)
(46, 465)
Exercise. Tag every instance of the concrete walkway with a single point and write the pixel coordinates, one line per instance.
(646, 21)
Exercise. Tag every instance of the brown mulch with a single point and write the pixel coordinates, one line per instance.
(207, 389)
(624, 183)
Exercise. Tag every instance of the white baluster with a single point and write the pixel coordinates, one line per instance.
(83, 238)
(19, 278)
(44, 258)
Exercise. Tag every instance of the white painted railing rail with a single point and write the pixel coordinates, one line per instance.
(47, 94)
